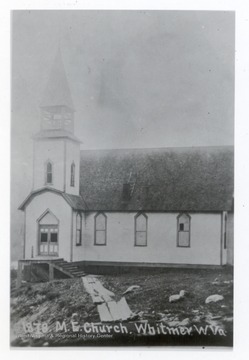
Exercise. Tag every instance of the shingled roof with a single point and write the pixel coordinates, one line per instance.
(165, 179)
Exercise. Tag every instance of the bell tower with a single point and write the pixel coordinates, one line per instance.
(56, 149)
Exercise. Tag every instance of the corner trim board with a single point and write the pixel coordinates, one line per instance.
(71, 245)
(221, 240)
(65, 155)
(24, 235)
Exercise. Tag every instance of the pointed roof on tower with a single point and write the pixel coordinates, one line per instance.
(57, 92)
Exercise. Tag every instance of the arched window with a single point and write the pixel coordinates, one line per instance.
(78, 229)
(49, 172)
(183, 230)
(100, 229)
(72, 182)
(141, 230)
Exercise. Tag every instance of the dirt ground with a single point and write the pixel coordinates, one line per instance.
(67, 300)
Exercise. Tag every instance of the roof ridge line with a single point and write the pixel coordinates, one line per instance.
(162, 148)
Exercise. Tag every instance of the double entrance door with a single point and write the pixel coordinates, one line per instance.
(48, 240)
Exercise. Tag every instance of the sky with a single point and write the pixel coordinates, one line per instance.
(138, 79)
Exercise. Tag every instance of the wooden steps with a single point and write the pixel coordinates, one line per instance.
(70, 270)
(67, 268)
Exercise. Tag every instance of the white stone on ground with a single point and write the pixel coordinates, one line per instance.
(214, 298)
(174, 298)
(131, 288)
(184, 322)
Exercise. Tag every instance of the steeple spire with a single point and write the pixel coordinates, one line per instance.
(57, 92)
(57, 105)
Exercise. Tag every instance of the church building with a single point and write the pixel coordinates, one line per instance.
(151, 207)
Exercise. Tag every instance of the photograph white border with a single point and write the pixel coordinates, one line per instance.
(240, 350)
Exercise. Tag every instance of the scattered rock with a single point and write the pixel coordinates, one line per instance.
(214, 298)
(173, 323)
(168, 318)
(215, 317)
(228, 319)
(131, 288)
(215, 283)
(174, 298)
(164, 319)
(197, 318)
(134, 317)
(212, 322)
(40, 298)
(140, 314)
(184, 322)
(45, 344)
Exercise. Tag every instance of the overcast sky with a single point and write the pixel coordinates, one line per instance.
(137, 78)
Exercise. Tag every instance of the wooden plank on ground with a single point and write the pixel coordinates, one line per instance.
(87, 286)
(90, 289)
(95, 286)
(102, 289)
(119, 310)
(90, 279)
(103, 292)
(114, 310)
(124, 309)
(109, 310)
(104, 313)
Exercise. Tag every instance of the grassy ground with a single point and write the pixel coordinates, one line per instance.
(64, 300)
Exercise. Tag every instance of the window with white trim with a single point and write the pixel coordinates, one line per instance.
(78, 229)
(183, 230)
(72, 182)
(141, 230)
(49, 172)
(100, 226)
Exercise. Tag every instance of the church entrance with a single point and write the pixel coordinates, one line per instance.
(48, 240)
(48, 232)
